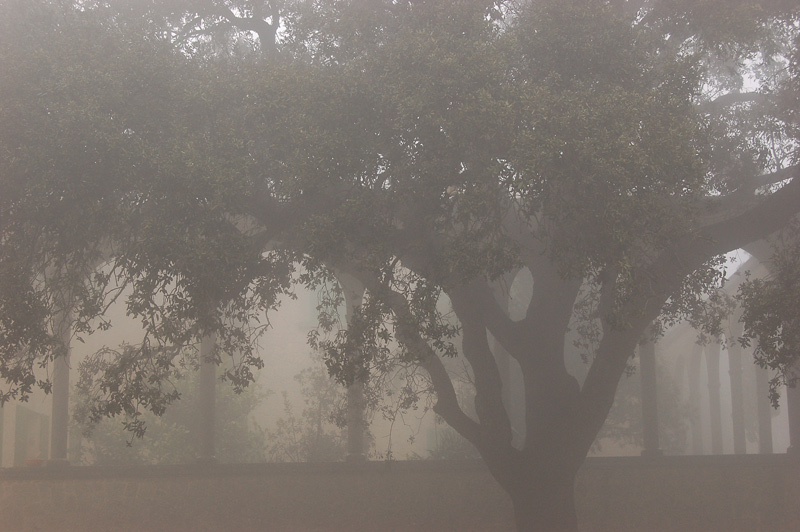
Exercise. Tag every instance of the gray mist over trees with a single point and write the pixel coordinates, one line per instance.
(406, 162)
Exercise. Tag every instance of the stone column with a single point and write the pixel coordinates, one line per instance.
(356, 403)
(714, 407)
(793, 410)
(647, 358)
(9, 421)
(737, 397)
(356, 426)
(763, 411)
(59, 428)
(695, 414)
(206, 399)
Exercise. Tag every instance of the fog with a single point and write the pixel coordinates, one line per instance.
(322, 265)
(285, 352)
(415, 432)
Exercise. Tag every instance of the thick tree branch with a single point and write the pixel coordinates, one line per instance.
(283, 219)
(774, 178)
(259, 26)
(657, 282)
(769, 214)
(446, 399)
(599, 388)
(553, 297)
(732, 98)
(488, 384)
(505, 330)
(718, 210)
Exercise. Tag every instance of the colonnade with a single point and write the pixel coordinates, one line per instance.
(711, 353)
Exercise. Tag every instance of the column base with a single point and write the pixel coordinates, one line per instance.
(355, 458)
(652, 453)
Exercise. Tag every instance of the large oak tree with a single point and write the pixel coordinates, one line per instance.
(427, 150)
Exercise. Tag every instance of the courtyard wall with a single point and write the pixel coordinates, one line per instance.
(751, 493)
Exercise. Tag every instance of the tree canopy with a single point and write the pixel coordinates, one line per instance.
(213, 155)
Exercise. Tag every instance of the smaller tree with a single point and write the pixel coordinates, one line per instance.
(450, 445)
(171, 437)
(315, 435)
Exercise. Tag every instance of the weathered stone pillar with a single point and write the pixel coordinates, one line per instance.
(793, 410)
(714, 407)
(356, 425)
(647, 358)
(737, 397)
(206, 399)
(8, 420)
(356, 403)
(695, 414)
(763, 411)
(59, 428)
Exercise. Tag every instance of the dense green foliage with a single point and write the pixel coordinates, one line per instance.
(315, 434)
(616, 150)
(771, 318)
(171, 438)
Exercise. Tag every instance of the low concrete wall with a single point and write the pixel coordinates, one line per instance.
(752, 493)
(686, 494)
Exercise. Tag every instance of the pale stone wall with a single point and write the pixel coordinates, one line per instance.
(745, 493)
(33, 419)
(691, 494)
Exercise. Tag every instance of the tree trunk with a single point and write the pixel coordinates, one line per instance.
(546, 502)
